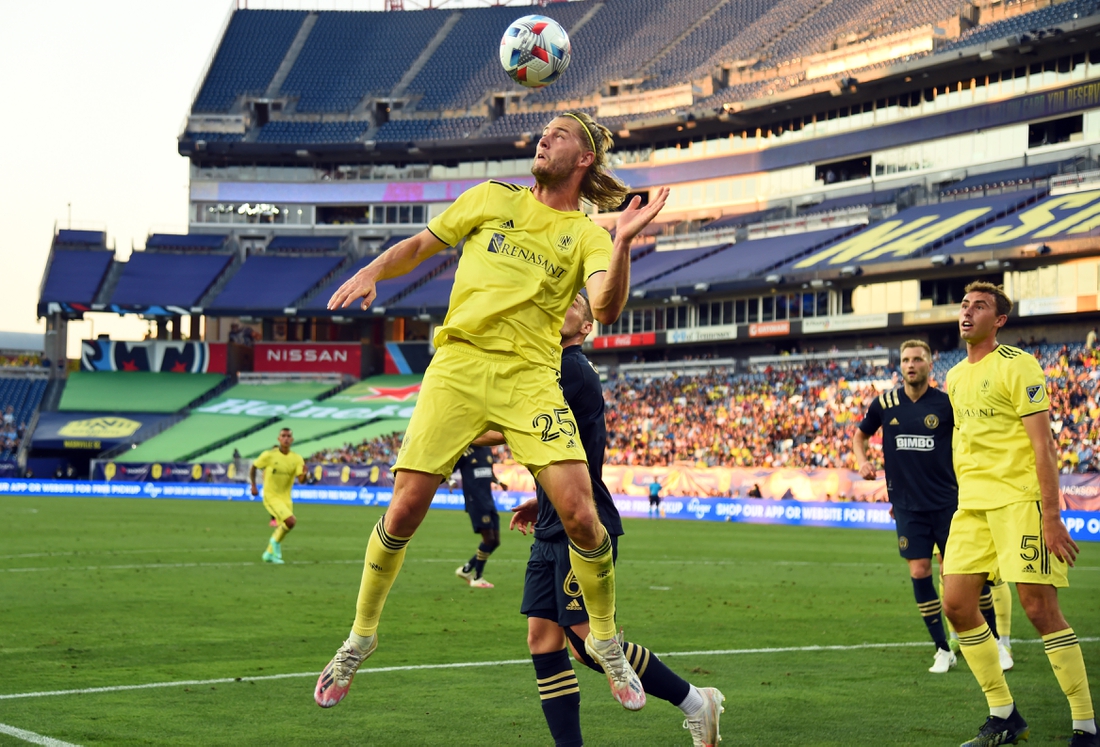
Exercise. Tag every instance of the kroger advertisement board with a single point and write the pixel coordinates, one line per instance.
(1082, 525)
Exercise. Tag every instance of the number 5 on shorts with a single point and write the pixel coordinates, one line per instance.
(1030, 546)
(546, 423)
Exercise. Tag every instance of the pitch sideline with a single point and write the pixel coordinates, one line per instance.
(471, 664)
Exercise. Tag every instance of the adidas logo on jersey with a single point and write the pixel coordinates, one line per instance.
(508, 224)
(894, 421)
(1029, 568)
(574, 606)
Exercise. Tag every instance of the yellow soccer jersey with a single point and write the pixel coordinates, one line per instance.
(280, 470)
(994, 461)
(521, 268)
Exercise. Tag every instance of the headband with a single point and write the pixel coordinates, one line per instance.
(585, 128)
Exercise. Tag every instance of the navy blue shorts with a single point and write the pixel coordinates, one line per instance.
(919, 531)
(483, 514)
(550, 590)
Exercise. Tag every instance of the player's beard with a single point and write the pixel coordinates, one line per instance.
(547, 175)
(918, 382)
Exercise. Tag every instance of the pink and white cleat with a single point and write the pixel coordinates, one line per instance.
(335, 679)
(625, 685)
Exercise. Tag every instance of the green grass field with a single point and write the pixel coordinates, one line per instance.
(103, 593)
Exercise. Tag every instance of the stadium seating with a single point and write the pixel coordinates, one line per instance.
(284, 131)
(656, 264)
(75, 239)
(274, 282)
(410, 130)
(386, 289)
(188, 242)
(255, 43)
(348, 447)
(1031, 24)
(24, 395)
(742, 260)
(215, 137)
(850, 201)
(1007, 179)
(432, 297)
(134, 391)
(74, 276)
(305, 244)
(515, 125)
(372, 51)
(153, 279)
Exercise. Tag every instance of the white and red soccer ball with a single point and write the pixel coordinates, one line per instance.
(535, 51)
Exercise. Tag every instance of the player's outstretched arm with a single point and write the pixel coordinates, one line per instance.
(398, 260)
(1058, 541)
(608, 291)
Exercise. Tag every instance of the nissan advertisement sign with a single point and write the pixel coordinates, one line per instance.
(308, 357)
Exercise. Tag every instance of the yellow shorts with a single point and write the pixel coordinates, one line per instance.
(1005, 542)
(467, 391)
(280, 508)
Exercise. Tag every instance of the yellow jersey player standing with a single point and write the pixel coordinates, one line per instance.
(1008, 516)
(281, 466)
(527, 254)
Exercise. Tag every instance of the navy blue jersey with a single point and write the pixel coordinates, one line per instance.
(476, 467)
(584, 395)
(916, 445)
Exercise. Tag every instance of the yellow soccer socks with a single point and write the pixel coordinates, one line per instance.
(385, 554)
(1002, 605)
(595, 573)
(1064, 653)
(979, 647)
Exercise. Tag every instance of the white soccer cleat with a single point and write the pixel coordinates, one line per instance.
(1005, 653)
(944, 662)
(480, 583)
(335, 679)
(625, 685)
(704, 725)
(465, 575)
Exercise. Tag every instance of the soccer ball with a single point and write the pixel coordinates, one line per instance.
(535, 51)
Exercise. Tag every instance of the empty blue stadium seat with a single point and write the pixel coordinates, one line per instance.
(255, 42)
(432, 297)
(86, 239)
(385, 289)
(215, 137)
(284, 131)
(409, 130)
(151, 279)
(273, 282)
(1026, 23)
(75, 275)
(304, 244)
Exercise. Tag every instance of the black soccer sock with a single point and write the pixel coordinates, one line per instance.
(985, 603)
(469, 565)
(928, 602)
(483, 553)
(560, 696)
(657, 679)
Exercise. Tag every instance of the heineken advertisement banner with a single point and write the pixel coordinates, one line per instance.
(370, 399)
(1081, 524)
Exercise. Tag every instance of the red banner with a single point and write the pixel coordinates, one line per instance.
(636, 340)
(308, 357)
(769, 329)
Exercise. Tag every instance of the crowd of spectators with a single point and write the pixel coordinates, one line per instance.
(20, 360)
(11, 435)
(800, 415)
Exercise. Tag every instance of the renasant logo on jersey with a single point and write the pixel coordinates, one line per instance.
(914, 443)
(497, 245)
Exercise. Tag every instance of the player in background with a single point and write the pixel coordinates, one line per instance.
(528, 251)
(917, 426)
(476, 467)
(1009, 516)
(552, 601)
(281, 466)
(654, 499)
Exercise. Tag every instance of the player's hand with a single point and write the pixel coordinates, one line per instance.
(360, 285)
(1060, 544)
(255, 490)
(867, 471)
(634, 218)
(892, 516)
(524, 515)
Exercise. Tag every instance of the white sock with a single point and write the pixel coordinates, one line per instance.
(1089, 726)
(693, 703)
(1002, 711)
(361, 642)
(1004, 641)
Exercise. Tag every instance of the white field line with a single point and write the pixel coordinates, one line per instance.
(359, 561)
(470, 664)
(30, 736)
